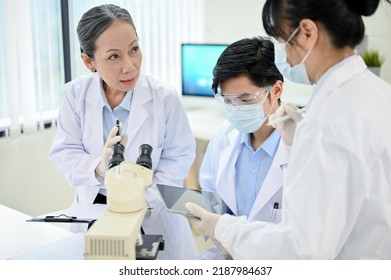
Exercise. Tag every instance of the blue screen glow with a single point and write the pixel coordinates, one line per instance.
(198, 61)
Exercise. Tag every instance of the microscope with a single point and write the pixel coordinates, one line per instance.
(116, 235)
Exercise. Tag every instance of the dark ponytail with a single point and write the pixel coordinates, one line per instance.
(363, 7)
(341, 18)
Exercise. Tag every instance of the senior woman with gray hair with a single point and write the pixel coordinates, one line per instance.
(150, 112)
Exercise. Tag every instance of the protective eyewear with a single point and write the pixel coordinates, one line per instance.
(281, 41)
(242, 99)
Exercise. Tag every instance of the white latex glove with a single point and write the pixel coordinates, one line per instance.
(205, 223)
(287, 127)
(112, 138)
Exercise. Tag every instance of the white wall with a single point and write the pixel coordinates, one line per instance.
(227, 21)
(378, 30)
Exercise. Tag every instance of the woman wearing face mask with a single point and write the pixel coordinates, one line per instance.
(337, 187)
(245, 158)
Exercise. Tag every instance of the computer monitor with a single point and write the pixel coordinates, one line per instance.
(198, 61)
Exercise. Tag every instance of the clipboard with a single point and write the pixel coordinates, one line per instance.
(62, 218)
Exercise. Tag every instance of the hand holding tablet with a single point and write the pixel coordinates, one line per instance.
(175, 199)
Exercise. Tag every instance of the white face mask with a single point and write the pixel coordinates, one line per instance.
(247, 118)
(297, 73)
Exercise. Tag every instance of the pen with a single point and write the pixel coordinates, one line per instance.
(275, 208)
(117, 124)
(283, 118)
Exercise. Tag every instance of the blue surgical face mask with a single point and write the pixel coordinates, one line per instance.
(297, 73)
(246, 118)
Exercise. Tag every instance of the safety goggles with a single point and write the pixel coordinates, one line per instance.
(242, 99)
(283, 42)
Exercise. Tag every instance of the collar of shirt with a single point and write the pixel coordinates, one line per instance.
(110, 116)
(269, 146)
(125, 104)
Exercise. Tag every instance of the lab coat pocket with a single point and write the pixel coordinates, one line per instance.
(276, 215)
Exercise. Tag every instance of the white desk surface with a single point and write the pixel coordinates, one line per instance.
(18, 236)
(44, 241)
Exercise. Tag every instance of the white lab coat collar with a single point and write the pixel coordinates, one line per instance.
(338, 74)
(93, 119)
(138, 114)
(225, 181)
(273, 180)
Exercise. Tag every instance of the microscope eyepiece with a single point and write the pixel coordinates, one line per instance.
(118, 155)
(144, 158)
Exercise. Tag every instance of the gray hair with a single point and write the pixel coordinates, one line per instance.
(95, 21)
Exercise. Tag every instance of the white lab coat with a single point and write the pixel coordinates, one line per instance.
(337, 189)
(156, 118)
(217, 173)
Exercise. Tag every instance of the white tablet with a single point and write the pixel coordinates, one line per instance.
(175, 199)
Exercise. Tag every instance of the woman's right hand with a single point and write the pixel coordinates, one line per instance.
(112, 138)
(287, 127)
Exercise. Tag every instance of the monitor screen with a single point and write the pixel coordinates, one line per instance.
(198, 61)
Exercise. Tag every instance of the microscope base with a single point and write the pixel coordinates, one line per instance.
(152, 244)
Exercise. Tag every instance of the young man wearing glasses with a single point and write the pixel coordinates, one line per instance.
(245, 158)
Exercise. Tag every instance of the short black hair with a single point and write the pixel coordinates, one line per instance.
(252, 57)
